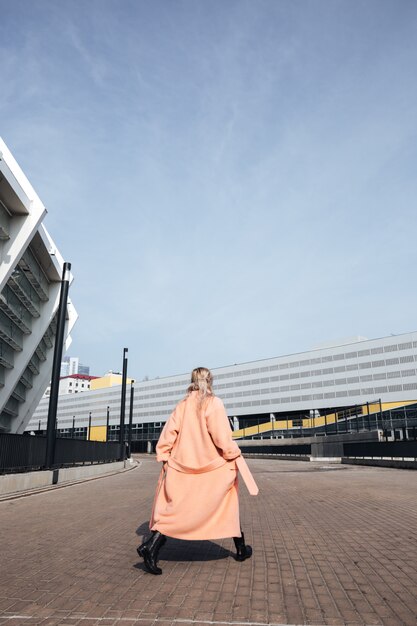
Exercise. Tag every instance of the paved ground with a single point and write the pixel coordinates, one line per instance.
(332, 546)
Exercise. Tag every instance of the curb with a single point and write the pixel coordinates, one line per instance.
(33, 492)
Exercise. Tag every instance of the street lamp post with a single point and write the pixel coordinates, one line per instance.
(123, 408)
(56, 367)
(132, 395)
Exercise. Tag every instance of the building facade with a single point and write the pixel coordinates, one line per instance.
(30, 279)
(76, 383)
(282, 394)
(71, 365)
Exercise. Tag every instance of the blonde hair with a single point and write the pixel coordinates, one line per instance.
(201, 381)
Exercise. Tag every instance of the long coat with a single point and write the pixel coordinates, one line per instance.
(197, 495)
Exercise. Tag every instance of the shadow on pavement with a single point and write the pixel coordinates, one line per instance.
(181, 550)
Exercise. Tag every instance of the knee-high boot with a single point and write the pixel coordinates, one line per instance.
(242, 550)
(149, 551)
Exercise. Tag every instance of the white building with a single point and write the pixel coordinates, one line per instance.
(71, 384)
(71, 365)
(30, 279)
(291, 388)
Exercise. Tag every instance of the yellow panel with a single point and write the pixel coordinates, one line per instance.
(98, 433)
(318, 421)
(108, 381)
(386, 406)
(262, 428)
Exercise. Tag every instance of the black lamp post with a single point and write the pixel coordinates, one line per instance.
(56, 367)
(123, 408)
(132, 395)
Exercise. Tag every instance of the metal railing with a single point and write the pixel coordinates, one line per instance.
(381, 449)
(404, 450)
(23, 453)
(282, 450)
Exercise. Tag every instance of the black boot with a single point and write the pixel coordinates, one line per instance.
(149, 551)
(242, 550)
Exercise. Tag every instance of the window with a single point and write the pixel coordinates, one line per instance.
(379, 376)
(406, 359)
(405, 346)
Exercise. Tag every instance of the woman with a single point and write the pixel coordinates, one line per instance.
(197, 494)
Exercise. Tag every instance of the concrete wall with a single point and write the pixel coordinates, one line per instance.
(15, 483)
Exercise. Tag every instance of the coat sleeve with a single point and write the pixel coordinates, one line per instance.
(167, 437)
(219, 429)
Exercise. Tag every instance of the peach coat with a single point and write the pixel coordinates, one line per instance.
(197, 495)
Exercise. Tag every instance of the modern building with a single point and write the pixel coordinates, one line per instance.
(363, 384)
(30, 280)
(109, 380)
(71, 365)
(76, 383)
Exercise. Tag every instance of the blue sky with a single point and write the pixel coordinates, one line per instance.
(231, 180)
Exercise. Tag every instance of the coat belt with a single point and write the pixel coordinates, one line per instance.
(241, 464)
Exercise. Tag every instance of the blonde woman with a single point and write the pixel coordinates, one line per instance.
(197, 495)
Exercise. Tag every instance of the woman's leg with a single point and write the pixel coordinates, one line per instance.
(243, 551)
(149, 551)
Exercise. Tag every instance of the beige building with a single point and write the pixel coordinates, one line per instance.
(108, 380)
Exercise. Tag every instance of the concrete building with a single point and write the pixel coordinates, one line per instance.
(76, 383)
(71, 365)
(280, 396)
(30, 279)
(108, 380)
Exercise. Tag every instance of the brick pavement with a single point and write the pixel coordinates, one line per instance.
(333, 545)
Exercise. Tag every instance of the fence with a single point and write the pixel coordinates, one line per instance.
(381, 449)
(22, 453)
(324, 447)
(293, 450)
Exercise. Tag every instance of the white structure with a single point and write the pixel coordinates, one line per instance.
(71, 384)
(319, 380)
(71, 365)
(30, 279)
